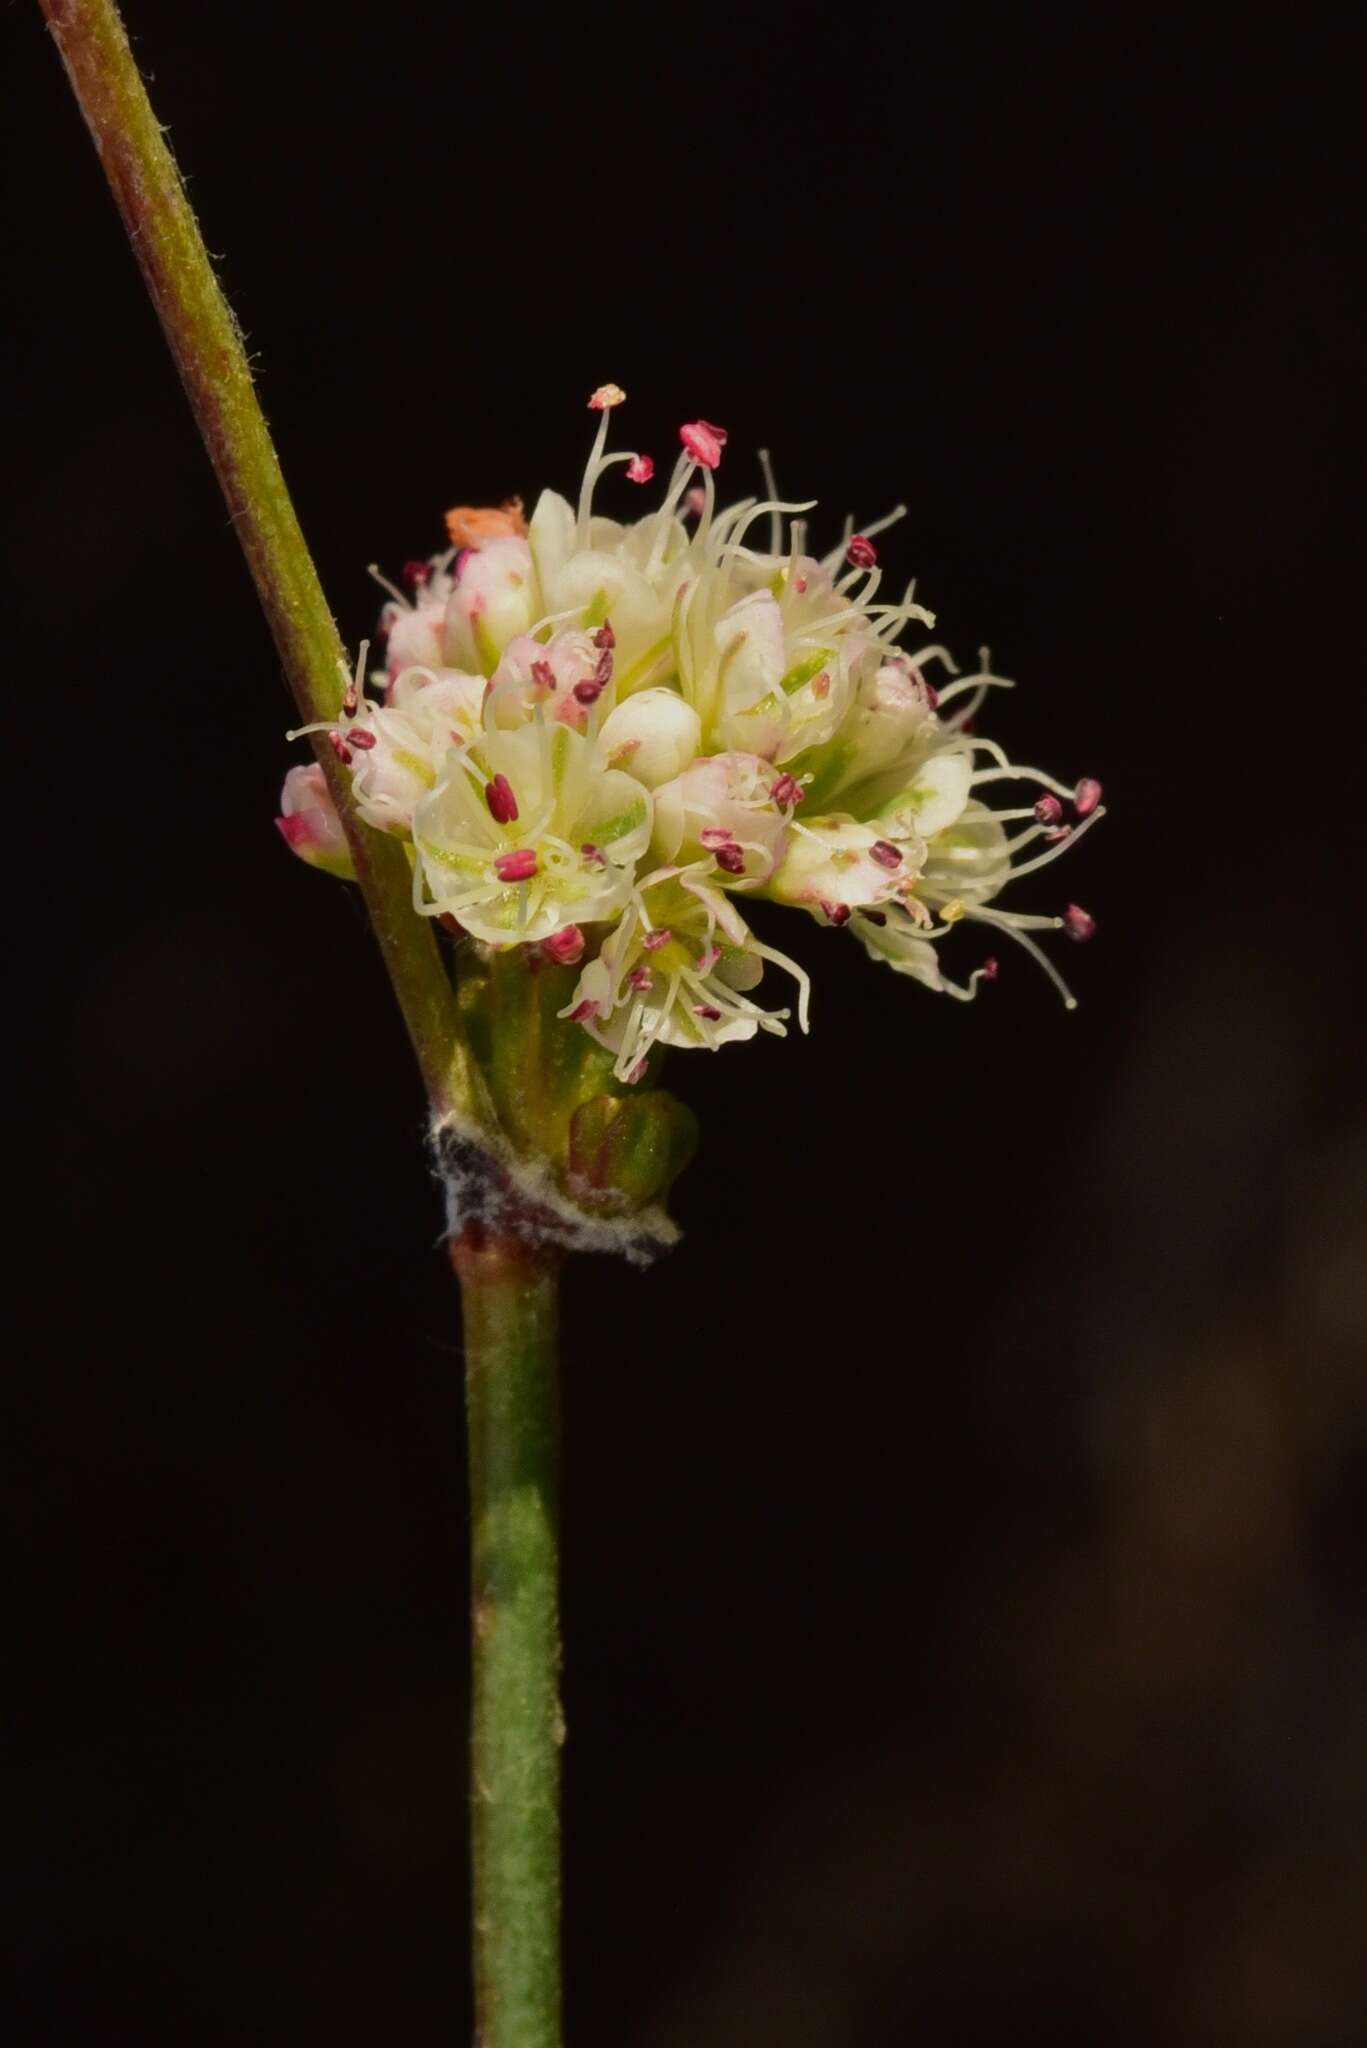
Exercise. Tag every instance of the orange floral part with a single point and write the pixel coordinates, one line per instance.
(469, 526)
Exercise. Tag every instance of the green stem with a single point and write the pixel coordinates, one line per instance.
(207, 345)
(509, 1299)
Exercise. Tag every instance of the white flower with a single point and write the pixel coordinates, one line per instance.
(887, 722)
(396, 750)
(586, 718)
(565, 674)
(762, 686)
(724, 806)
(527, 832)
(427, 715)
(677, 970)
(834, 865)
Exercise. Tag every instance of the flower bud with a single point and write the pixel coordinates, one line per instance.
(309, 824)
(653, 735)
(494, 598)
(752, 652)
(889, 717)
(415, 639)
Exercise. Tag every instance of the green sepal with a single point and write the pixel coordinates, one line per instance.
(627, 1150)
(552, 1090)
(538, 1065)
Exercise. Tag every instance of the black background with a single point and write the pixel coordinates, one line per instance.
(965, 1536)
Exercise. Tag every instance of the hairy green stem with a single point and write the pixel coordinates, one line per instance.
(509, 1295)
(207, 346)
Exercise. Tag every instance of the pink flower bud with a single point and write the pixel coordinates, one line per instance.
(703, 442)
(309, 824)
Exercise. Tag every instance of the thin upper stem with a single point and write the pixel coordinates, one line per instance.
(207, 345)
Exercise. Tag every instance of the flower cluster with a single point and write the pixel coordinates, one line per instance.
(599, 739)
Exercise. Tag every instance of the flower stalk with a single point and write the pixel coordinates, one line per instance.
(509, 1294)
